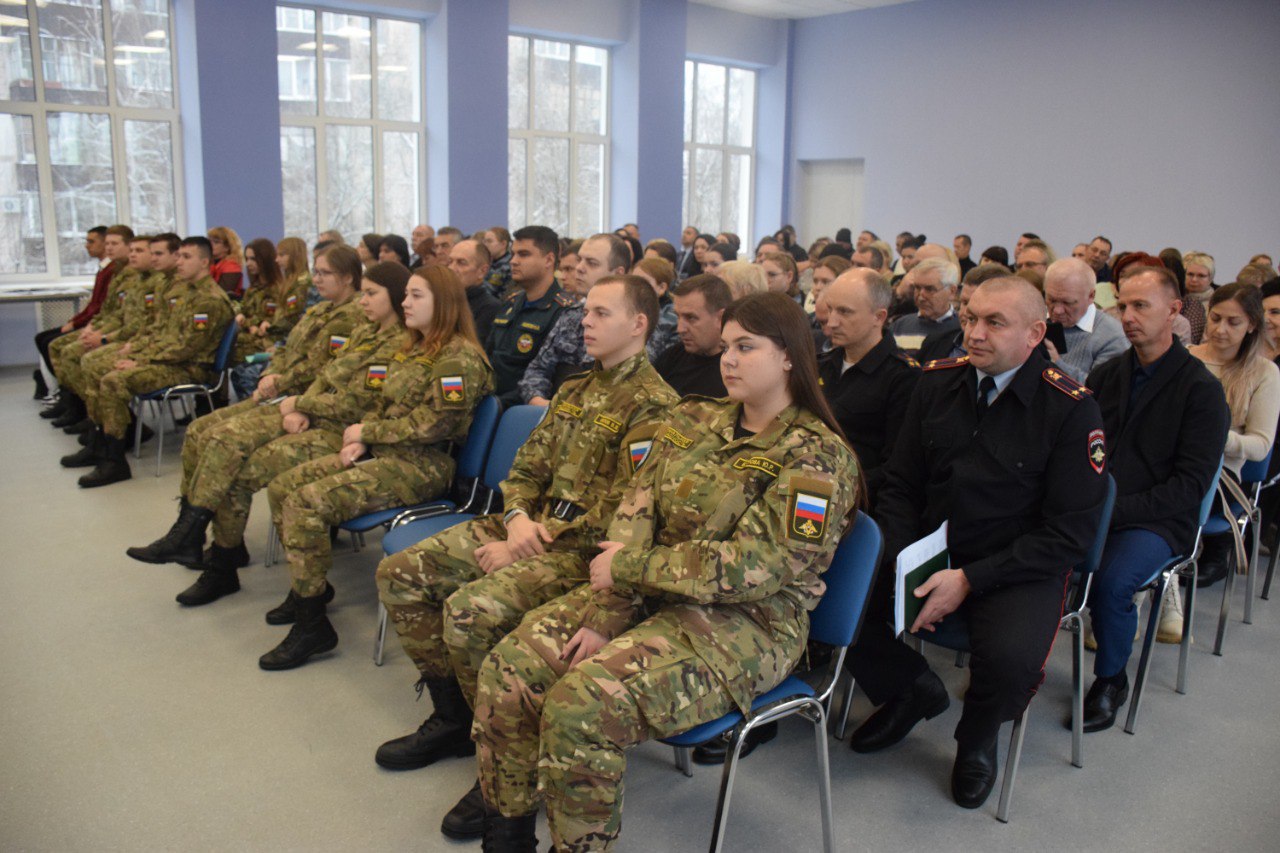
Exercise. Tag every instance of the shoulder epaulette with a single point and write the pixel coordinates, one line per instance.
(565, 300)
(1065, 384)
(944, 363)
(512, 296)
(902, 356)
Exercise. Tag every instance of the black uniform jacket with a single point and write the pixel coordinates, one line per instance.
(870, 400)
(1021, 488)
(1164, 448)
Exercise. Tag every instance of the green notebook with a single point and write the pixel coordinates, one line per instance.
(916, 564)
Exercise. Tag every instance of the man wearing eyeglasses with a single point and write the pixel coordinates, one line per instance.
(933, 283)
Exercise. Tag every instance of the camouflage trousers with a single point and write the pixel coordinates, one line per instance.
(416, 584)
(200, 433)
(63, 351)
(84, 375)
(310, 498)
(108, 402)
(546, 731)
(261, 467)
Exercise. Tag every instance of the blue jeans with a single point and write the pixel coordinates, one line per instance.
(244, 378)
(1129, 559)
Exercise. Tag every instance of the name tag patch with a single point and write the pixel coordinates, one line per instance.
(569, 409)
(759, 463)
(611, 424)
(677, 438)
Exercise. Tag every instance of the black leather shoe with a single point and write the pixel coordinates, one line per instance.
(110, 469)
(286, 613)
(466, 819)
(974, 774)
(1102, 705)
(715, 751)
(82, 425)
(209, 587)
(72, 413)
(509, 834)
(924, 700)
(1217, 557)
(86, 457)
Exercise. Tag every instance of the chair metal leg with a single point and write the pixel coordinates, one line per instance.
(272, 540)
(1228, 585)
(726, 789)
(1188, 618)
(1255, 522)
(683, 760)
(382, 634)
(840, 719)
(160, 432)
(1077, 692)
(137, 432)
(1144, 662)
(1011, 766)
(824, 778)
(1271, 570)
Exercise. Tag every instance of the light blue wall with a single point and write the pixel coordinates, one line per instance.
(1151, 121)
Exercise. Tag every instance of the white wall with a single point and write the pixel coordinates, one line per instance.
(1154, 122)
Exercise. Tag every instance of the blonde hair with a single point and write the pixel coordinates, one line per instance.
(297, 252)
(743, 278)
(1201, 259)
(235, 248)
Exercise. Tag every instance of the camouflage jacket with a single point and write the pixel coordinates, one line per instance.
(716, 522)
(280, 306)
(140, 306)
(562, 349)
(197, 314)
(319, 337)
(597, 432)
(664, 334)
(427, 403)
(352, 383)
(110, 316)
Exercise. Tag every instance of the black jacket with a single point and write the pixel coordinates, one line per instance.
(484, 307)
(870, 400)
(1164, 449)
(1021, 488)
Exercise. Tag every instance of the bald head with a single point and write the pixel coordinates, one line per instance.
(1069, 285)
(1018, 294)
(857, 304)
(930, 251)
(865, 284)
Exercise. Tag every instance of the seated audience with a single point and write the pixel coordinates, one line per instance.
(1092, 336)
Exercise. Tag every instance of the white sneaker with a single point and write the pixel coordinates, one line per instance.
(1170, 628)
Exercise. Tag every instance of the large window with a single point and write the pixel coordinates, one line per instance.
(351, 122)
(719, 147)
(88, 128)
(558, 147)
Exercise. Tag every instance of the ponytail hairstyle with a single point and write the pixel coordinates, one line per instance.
(450, 314)
(345, 263)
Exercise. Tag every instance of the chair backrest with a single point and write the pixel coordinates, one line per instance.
(1256, 472)
(223, 354)
(836, 619)
(1093, 557)
(514, 428)
(1206, 503)
(484, 423)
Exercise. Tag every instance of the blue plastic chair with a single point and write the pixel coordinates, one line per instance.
(471, 459)
(411, 526)
(1240, 510)
(1169, 573)
(163, 398)
(953, 633)
(835, 622)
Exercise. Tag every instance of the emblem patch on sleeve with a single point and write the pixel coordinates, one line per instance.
(452, 389)
(271, 309)
(524, 343)
(639, 452)
(291, 301)
(200, 321)
(1097, 450)
(810, 509)
(376, 376)
(336, 343)
(149, 299)
(611, 424)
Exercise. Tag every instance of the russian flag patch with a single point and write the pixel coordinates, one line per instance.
(336, 342)
(809, 510)
(452, 389)
(639, 451)
(376, 376)
(200, 321)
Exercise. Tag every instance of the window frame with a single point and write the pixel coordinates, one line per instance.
(320, 121)
(691, 145)
(39, 110)
(528, 134)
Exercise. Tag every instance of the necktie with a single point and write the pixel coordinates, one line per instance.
(985, 387)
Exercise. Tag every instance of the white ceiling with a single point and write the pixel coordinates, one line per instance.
(797, 8)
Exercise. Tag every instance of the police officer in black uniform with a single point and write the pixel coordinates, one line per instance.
(1010, 451)
(867, 379)
(527, 315)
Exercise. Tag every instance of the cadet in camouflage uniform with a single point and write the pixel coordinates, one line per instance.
(181, 352)
(562, 352)
(313, 345)
(564, 482)
(525, 317)
(270, 301)
(398, 455)
(719, 547)
(312, 423)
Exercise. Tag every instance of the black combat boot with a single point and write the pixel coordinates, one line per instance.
(85, 424)
(184, 543)
(73, 411)
(509, 834)
(286, 613)
(311, 634)
(219, 578)
(446, 733)
(236, 558)
(466, 819)
(88, 456)
(112, 468)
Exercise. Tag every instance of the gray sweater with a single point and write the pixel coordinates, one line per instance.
(1097, 338)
